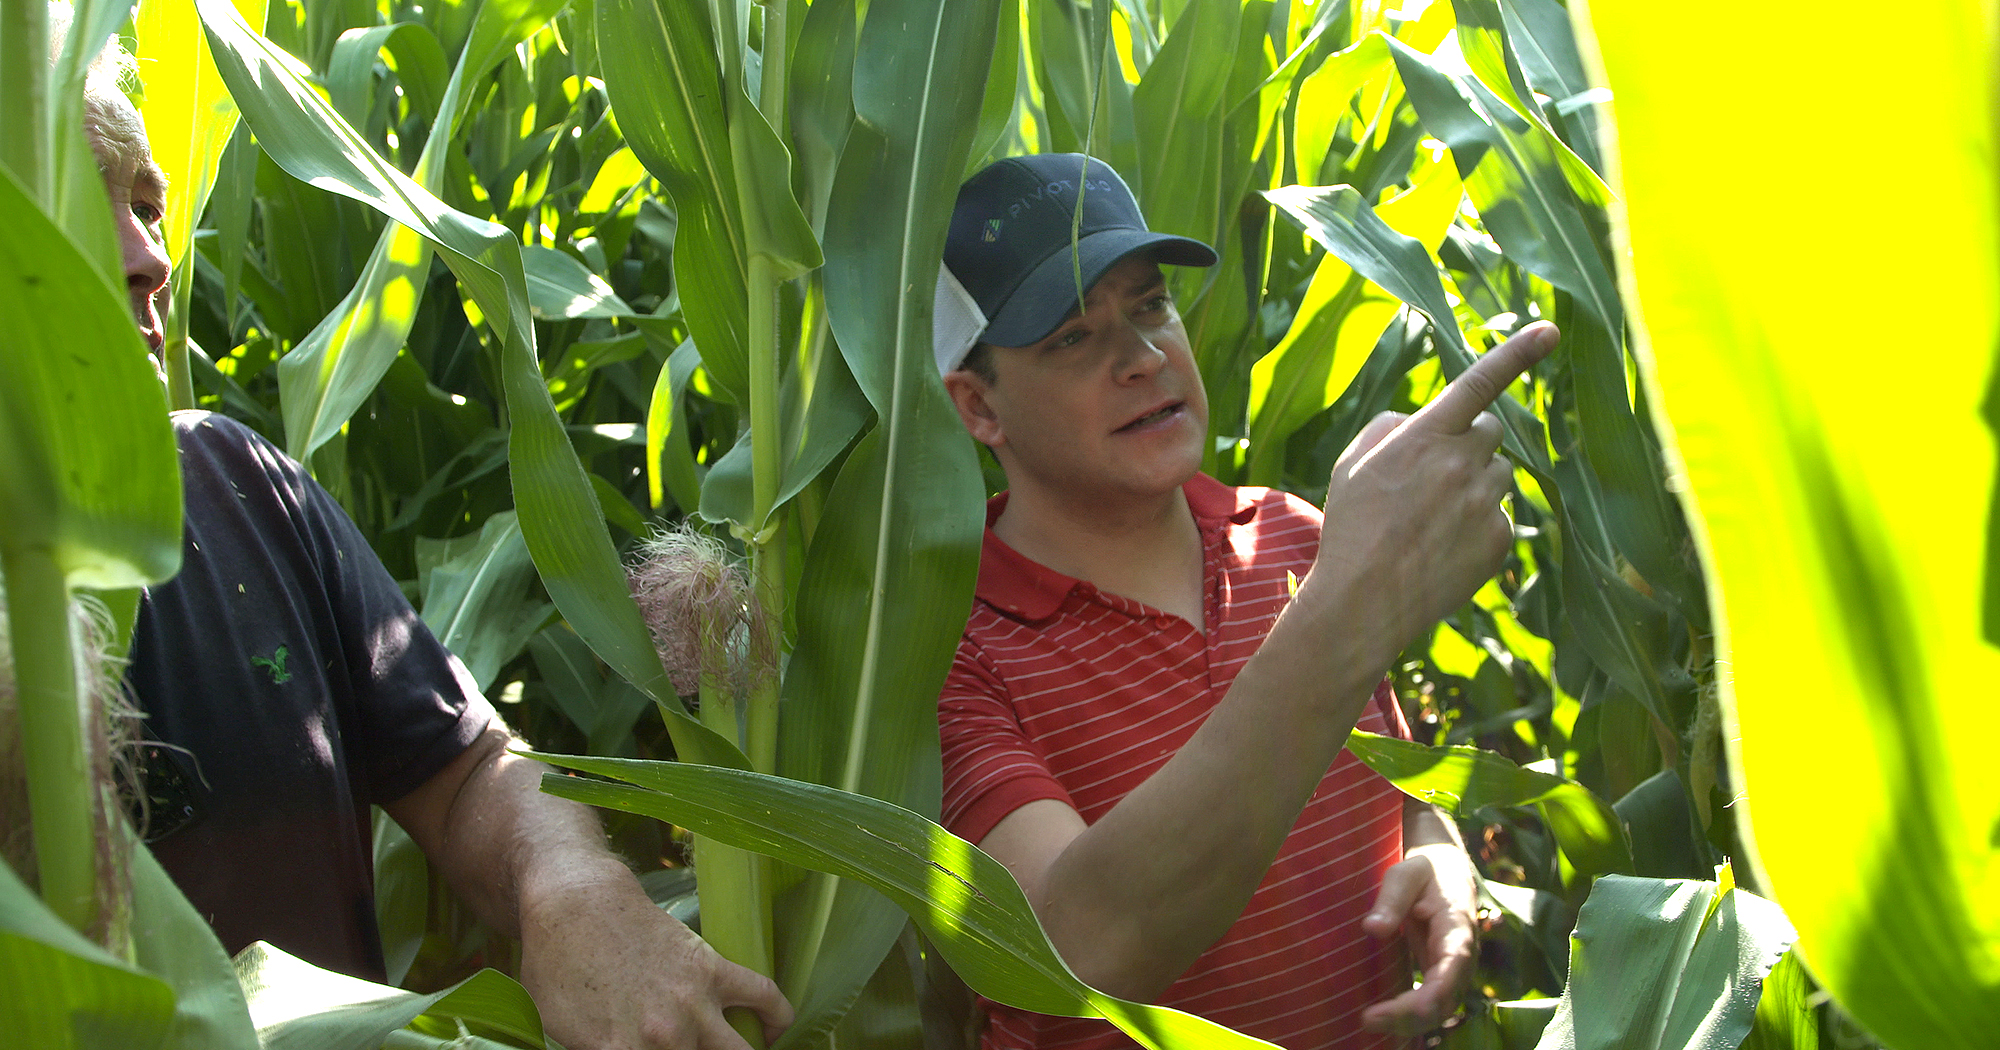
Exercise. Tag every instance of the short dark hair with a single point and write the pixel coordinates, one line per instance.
(979, 361)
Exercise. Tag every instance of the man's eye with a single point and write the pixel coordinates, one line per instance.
(1157, 303)
(147, 213)
(1069, 338)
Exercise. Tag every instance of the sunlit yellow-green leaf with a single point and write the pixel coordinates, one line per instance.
(1831, 445)
(188, 111)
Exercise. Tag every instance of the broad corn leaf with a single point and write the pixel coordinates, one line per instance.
(661, 71)
(172, 941)
(1338, 322)
(88, 472)
(1849, 548)
(966, 903)
(1666, 965)
(65, 991)
(298, 1005)
(891, 566)
(1339, 218)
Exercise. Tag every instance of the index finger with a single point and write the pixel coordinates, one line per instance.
(1453, 410)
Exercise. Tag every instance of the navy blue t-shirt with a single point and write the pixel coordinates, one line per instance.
(296, 688)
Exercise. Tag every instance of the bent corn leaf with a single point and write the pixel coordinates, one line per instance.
(967, 904)
(1463, 779)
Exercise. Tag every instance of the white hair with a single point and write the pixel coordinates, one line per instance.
(111, 71)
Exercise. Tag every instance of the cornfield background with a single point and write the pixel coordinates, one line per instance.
(524, 281)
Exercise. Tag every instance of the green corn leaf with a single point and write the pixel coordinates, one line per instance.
(1176, 111)
(1849, 557)
(1515, 179)
(332, 371)
(1786, 1017)
(1340, 219)
(65, 992)
(229, 205)
(1338, 322)
(178, 993)
(1064, 56)
(555, 499)
(88, 471)
(1623, 631)
(475, 595)
(1483, 39)
(173, 941)
(1656, 813)
(670, 465)
(822, 98)
(823, 411)
(560, 288)
(1325, 98)
(1465, 779)
(421, 70)
(298, 1006)
(1629, 494)
(1543, 42)
(189, 117)
(402, 896)
(1666, 965)
(889, 575)
(774, 226)
(660, 70)
(996, 112)
(965, 902)
(65, 178)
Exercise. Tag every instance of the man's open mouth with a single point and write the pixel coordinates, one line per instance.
(1154, 416)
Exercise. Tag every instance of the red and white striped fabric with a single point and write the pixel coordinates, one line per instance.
(1065, 692)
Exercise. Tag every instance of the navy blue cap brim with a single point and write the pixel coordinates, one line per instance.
(1048, 294)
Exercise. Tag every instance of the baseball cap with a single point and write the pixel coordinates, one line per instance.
(1009, 274)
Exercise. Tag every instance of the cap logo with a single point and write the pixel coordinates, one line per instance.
(1057, 187)
(992, 230)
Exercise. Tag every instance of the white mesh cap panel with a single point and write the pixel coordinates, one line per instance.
(956, 321)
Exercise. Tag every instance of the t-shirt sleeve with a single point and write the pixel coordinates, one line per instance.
(413, 707)
(991, 768)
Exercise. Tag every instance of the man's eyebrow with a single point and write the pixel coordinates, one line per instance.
(152, 178)
(1137, 286)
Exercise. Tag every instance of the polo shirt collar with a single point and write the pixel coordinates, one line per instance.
(1017, 584)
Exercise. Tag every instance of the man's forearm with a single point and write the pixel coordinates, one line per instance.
(498, 839)
(1134, 899)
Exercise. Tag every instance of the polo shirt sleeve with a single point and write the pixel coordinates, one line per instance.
(991, 768)
(408, 707)
(1390, 711)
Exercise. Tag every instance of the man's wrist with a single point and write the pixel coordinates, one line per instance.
(571, 878)
(1329, 625)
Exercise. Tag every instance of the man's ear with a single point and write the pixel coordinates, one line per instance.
(968, 394)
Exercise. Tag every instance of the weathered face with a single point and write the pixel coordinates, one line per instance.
(138, 192)
(1108, 407)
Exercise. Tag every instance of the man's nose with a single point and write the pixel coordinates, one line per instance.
(146, 267)
(1139, 355)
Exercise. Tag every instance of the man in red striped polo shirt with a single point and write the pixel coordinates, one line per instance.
(1144, 722)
